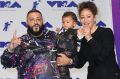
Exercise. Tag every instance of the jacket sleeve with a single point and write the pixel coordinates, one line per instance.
(80, 58)
(78, 61)
(10, 60)
(103, 49)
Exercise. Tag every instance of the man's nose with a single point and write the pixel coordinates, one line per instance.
(35, 22)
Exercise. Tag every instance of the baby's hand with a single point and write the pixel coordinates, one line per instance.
(58, 30)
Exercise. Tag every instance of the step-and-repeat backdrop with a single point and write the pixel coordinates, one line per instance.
(13, 18)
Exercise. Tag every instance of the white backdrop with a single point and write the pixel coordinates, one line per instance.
(13, 17)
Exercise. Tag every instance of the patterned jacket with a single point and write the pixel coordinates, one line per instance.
(34, 58)
(67, 44)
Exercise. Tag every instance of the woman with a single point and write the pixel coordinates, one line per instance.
(97, 46)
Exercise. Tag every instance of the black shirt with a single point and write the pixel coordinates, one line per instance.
(99, 52)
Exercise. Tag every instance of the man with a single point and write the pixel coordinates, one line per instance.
(33, 54)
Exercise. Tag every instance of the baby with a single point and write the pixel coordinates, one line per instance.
(67, 41)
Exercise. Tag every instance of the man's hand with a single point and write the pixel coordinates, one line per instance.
(62, 59)
(15, 41)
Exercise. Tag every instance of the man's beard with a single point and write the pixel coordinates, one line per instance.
(36, 30)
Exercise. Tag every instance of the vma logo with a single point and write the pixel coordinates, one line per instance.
(101, 24)
(9, 4)
(3, 44)
(61, 4)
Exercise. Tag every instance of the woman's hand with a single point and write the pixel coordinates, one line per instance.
(80, 33)
(87, 33)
